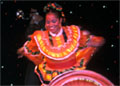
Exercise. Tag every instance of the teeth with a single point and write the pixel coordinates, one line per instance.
(51, 28)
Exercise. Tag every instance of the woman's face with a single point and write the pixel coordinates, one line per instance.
(52, 23)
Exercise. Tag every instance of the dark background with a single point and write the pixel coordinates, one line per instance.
(101, 18)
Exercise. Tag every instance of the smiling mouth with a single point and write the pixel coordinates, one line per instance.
(51, 28)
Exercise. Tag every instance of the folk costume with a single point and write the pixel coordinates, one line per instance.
(58, 53)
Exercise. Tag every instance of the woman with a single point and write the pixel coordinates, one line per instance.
(59, 48)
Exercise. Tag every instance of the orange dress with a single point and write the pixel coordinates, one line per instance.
(64, 52)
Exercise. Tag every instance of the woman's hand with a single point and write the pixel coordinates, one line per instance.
(20, 52)
(95, 41)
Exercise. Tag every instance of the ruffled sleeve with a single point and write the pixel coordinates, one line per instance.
(30, 45)
(31, 50)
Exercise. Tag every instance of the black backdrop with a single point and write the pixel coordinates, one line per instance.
(99, 17)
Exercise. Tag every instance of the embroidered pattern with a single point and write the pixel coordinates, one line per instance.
(64, 51)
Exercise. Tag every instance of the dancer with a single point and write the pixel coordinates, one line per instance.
(60, 48)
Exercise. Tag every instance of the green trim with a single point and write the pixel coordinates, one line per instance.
(81, 62)
(49, 72)
(30, 51)
(88, 39)
(60, 72)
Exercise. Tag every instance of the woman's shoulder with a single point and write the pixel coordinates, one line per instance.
(72, 26)
(36, 32)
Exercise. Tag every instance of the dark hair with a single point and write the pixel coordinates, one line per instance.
(57, 13)
(56, 9)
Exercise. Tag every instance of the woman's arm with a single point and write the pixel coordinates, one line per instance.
(89, 44)
(25, 51)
